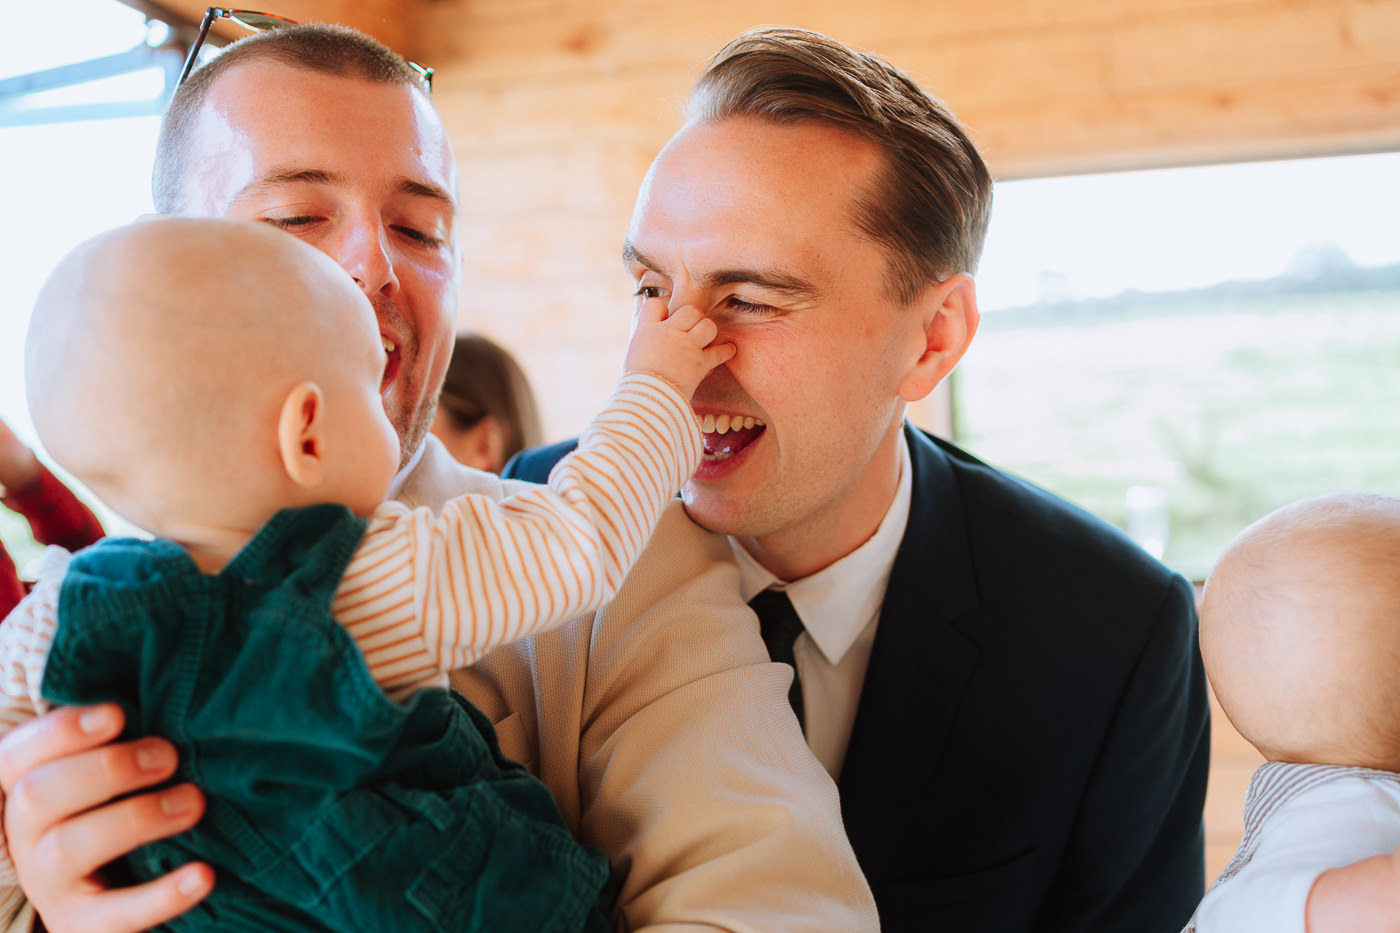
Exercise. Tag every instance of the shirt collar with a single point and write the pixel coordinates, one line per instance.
(839, 601)
(401, 477)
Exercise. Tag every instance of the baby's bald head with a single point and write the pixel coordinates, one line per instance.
(159, 353)
(1300, 631)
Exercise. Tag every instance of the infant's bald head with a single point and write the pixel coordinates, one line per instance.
(1300, 631)
(165, 347)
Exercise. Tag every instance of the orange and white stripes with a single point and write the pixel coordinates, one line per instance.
(25, 639)
(428, 593)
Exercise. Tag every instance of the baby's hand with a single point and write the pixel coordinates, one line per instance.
(676, 348)
(18, 465)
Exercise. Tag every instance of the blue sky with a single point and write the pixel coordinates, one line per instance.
(1184, 228)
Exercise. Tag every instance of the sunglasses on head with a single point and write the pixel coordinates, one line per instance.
(254, 21)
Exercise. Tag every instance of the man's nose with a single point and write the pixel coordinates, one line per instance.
(364, 252)
(685, 293)
(681, 296)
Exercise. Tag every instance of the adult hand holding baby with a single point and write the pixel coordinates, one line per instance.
(58, 849)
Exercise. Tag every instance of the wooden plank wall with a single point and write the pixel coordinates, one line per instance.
(557, 107)
(389, 21)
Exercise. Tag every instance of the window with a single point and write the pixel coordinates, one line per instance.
(1183, 351)
(63, 181)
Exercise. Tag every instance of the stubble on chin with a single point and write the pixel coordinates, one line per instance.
(409, 405)
(412, 427)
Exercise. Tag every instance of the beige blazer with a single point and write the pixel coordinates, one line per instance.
(665, 734)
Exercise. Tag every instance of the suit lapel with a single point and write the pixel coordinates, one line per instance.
(919, 666)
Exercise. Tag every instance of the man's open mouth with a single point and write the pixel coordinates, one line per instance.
(391, 365)
(726, 435)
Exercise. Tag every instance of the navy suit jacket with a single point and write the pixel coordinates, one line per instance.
(1031, 747)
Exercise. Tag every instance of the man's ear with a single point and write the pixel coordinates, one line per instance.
(301, 438)
(948, 313)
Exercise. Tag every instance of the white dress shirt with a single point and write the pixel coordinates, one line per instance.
(839, 607)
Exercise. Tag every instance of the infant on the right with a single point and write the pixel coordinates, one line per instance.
(1300, 633)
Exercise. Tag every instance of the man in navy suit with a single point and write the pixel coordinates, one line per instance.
(1007, 690)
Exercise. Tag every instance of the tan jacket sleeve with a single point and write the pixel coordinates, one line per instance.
(665, 735)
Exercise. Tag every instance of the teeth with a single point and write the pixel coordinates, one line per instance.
(389, 346)
(723, 424)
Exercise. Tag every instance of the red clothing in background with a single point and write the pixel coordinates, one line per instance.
(55, 517)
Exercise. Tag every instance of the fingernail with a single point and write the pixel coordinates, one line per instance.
(154, 757)
(190, 883)
(98, 719)
(177, 800)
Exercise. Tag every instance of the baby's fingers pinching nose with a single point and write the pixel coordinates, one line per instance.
(686, 317)
(652, 309)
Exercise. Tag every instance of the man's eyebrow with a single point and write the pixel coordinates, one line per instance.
(420, 189)
(770, 279)
(278, 177)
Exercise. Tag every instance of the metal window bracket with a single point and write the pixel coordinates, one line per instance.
(14, 92)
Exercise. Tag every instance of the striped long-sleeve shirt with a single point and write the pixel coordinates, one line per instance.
(426, 593)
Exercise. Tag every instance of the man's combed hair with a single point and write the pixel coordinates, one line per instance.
(329, 49)
(930, 205)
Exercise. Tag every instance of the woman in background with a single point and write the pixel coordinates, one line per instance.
(486, 412)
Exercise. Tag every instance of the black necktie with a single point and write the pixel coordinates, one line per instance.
(780, 625)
